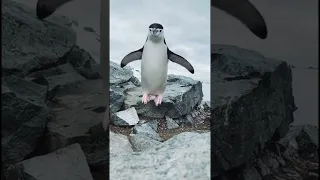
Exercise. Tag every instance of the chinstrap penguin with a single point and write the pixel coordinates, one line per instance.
(154, 57)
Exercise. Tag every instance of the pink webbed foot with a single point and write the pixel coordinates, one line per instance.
(145, 98)
(158, 100)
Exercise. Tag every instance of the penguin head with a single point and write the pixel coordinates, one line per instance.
(156, 31)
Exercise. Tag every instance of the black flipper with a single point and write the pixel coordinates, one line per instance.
(133, 56)
(180, 60)
(46, 8)
(244, 11)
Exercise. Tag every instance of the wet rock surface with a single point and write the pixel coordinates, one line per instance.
(53, 103)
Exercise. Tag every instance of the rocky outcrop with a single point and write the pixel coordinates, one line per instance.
(181, 97)
(252, 102)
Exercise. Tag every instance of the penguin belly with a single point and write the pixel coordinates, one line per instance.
(154, 68)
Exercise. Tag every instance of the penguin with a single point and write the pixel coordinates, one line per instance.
(242, 10)
(154, 57)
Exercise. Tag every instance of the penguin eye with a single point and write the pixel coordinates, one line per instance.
(160, 30)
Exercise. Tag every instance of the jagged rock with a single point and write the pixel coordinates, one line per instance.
(146, 130)
(302, 139)
(119, 144)
(58, 81)
(182, 95)
(141, 142)
(264, 170)
(78, 114)
(171, 124)
(252, 101)
(83, 63)
(250, 173)
(18, 145)
(153, 124)
(25, 90)
(128, 117)
(24, 115)
(64, 164)
(119, 75)
(116, 100)
(187, 160)
(37, 44)
(89, 29)
(57, 70)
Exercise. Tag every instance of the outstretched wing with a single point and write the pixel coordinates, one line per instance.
(180, 60)
(133, 56)
(244, 11)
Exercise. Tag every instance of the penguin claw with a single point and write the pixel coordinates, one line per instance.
(158, 100)
(145, 98)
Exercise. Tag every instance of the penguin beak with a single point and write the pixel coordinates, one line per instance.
(154, 32)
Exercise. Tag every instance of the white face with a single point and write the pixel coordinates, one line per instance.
(155, 32)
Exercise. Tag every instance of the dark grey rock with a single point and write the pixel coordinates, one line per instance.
(250, 173)
(153, 124)
(119, 75)
(171, 124)
(18, 145)
(26, 90)
(128, 117)
(116, 100)
(141, 142)
(252, 98)
(146, 130)
(37, 44)
(263, 169)
(64, 164)
(89, 29)
(58, 81)
(302, 139)
(182, 95)
(57, 70)
(78, 114)
(83, 63)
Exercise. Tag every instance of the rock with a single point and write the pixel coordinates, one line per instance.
(78, 114)
(252, 102)
(302, 139)
(171, 124)
(182, 95)
(57, 70)
(263, 169)
(18, 145)
(37, 45)
(119, 75)
(141, 142)
(89, 29)
(83, 63)
(250, 173)
(116, 100)
(119, 144)
(188, 120)
(153, 124)
(65, 164)
(128, 117)
(146, 130)
(187, 160)
(59, 81)
(26, 90)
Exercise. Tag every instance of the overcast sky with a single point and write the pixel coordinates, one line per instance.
(186, 29)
